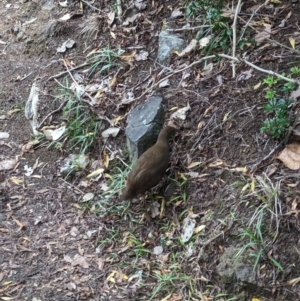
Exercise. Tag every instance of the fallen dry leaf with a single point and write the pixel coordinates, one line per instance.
(290, 156)
(295, 94)
(193, 164)
(263, 35)
(294, 281)
(189, 48)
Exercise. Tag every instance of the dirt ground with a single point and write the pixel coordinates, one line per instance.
(55, 246)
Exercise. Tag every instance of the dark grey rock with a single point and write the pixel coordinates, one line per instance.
(144, 124)
(166, 43)
(2, 217)
(232, 267)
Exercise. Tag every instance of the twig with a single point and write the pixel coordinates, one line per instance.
(210, 240)
(119, 10)
(91, 6)
(73, 187)
(247, 24)
(210, 57)
(71, 69)
(272, 73)
(88, 95)
(24, 77)
(270, 154)
(170, 75)
(58, 109)
(188, 28)
(237, 10)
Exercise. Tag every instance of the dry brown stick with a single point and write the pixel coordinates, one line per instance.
(272, 73)
(188, 28)
(237, 10)
(58, 109)
(88, 95)
(170, 75)
(210, 57)
(247, 24)
(65, 72)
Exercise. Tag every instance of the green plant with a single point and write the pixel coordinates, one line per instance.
(257, 232)
(194, 7)
(114, 185)
(82, 126)
(104, 59)
(276, 126)
(216, 24)
(182, 194)
(271, 81)
(288, 87)
(295, 70)
(136, 246)
(270, 94)
(222, 295)
(168, 280)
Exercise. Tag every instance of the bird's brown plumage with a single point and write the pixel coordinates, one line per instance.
(150, 167)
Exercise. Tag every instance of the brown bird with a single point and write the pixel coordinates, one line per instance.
(150, 167)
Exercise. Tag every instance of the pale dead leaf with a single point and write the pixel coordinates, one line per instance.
(154, 209)
(204, 41)
(253, 8)
(240, 169)
(100, 262)
(257, 86)
(19, 223)
(192, 45)
(294, 281)
(245, 75)
(177, 12)
(131, 19)
(292, 42)
(54, 135)
(95, 173)
(263, 35)
(193, 164)
(181, 113)
(17, 181)
(140, 5)
(158, 250)
(201, 124)
(4, 135)
(110, 17)
(208, 110)
(65, 17)
(199, 229)
(208, 69)
(295, 94)
(128, 57)
(217, 163)
(165, 83)
(294, 204)
(290, 156)
(88, 197)
(113, 132)
(80, 260)
(188, 226)
(142, 55)
(74, 231)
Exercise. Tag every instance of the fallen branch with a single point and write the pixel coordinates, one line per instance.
(210, 57)
(237, 10)
(58, 109)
